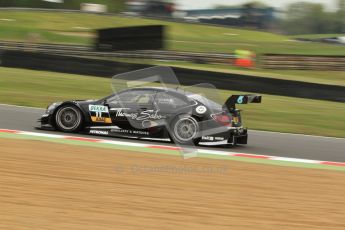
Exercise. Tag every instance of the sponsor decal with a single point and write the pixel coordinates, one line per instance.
(100, 114)
(98, 108)
(99, 132)
(207, 138)
(101, 119)
(201, 109)
(131, 132)
(142, 116)
(219, 138)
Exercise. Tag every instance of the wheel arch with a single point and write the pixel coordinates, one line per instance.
(192, 115)
(85, 117)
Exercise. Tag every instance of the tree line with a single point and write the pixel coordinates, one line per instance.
(312, 18)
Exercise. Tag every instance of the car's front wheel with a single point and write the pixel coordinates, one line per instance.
(184, 130)
(68, 118)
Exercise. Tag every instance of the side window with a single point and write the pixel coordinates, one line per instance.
(132, 97)
(125, 98)
(166, 101)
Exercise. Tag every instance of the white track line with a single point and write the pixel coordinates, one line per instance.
(41, 134)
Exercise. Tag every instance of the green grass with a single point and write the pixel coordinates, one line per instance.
(180, 36)
(321, 77)
(313, 36)
(283, 114)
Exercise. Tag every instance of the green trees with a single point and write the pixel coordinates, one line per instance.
(341, 16)
(311, 18)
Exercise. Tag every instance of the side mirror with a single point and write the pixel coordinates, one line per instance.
(105, 103)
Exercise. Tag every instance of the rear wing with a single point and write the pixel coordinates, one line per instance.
(230, 104)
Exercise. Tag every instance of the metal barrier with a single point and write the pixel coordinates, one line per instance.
(88, 51)
(303, 62)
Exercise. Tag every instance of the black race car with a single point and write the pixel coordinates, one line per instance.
(154, 113)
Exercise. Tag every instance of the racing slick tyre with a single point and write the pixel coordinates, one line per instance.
(184, 130)
(68, 118)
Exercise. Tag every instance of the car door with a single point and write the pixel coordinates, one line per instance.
(129, 109)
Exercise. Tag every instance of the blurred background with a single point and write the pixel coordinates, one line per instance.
(291, 51)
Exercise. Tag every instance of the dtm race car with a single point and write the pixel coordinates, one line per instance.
(154, 113)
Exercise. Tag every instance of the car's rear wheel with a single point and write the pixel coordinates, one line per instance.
(68, 118)
(184, 130)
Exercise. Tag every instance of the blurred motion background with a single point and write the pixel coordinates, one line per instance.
(291, 51)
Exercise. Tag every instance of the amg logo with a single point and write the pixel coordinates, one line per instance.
(99, 132)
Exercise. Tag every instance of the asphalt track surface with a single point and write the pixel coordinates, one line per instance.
(260, 142)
